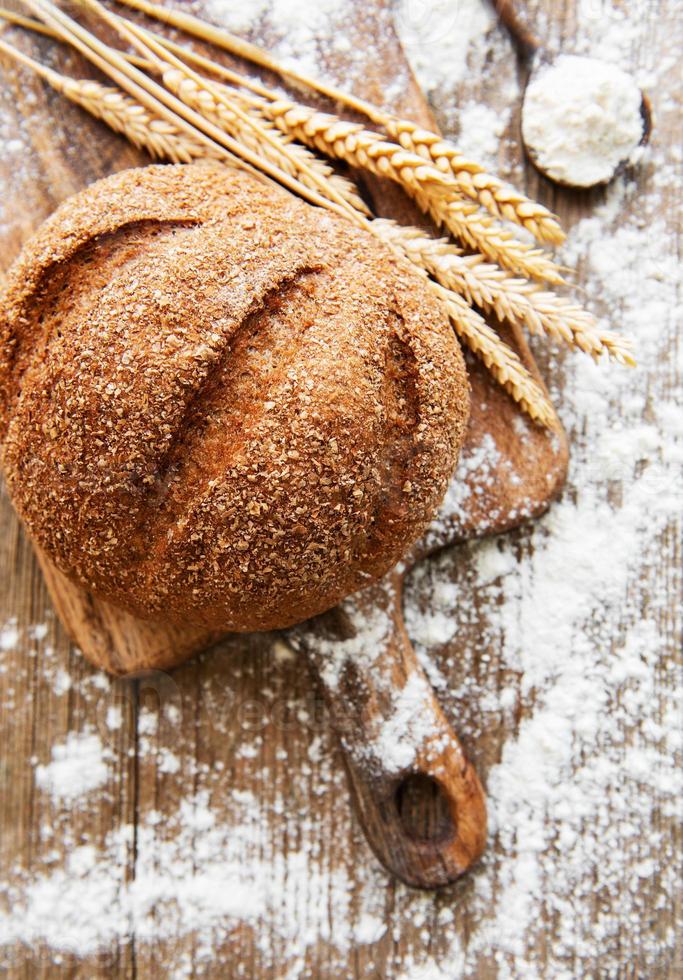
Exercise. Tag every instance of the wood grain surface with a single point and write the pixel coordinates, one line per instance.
(243, 721)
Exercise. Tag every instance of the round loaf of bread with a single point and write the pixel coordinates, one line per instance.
(218, 404)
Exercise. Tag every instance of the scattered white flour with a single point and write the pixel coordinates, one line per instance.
(581, 118)
(370, 929)
(62, 682)
(113, 718)
(615, 33)
(167, 761)
(438, 36)
(367, 634)
(301, 33)
(480, 132)
(205, 879)
(9, 635)
(233, 15)
(78, 767)
(408, 726)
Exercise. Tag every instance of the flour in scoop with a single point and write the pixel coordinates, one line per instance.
(581, 119)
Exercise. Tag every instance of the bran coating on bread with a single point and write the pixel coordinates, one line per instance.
(219, 404)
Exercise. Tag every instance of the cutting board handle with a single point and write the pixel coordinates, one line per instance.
(391, 727)
(395, 736)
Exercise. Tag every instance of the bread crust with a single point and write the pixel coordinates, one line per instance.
(218, 404)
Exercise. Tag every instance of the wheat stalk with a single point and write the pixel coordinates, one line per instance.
(39, 28)
(265, 139)
(514, 300)
(159, 137)
(471, 179)
(304, 158)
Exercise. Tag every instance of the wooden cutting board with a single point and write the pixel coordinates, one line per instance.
(510, 471)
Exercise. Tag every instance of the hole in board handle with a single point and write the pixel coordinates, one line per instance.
(423, 809)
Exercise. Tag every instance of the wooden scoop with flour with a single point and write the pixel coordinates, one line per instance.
(583, 119)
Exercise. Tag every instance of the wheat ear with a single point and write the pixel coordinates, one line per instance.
(505, 366)
(514, 300)
(479, 232)
(500, 199)
(500, 360)
(362, 148)
(158, 136)
(264, 139)
(305, 159)
(359, 147)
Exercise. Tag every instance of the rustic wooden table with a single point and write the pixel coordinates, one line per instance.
(197, 823)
